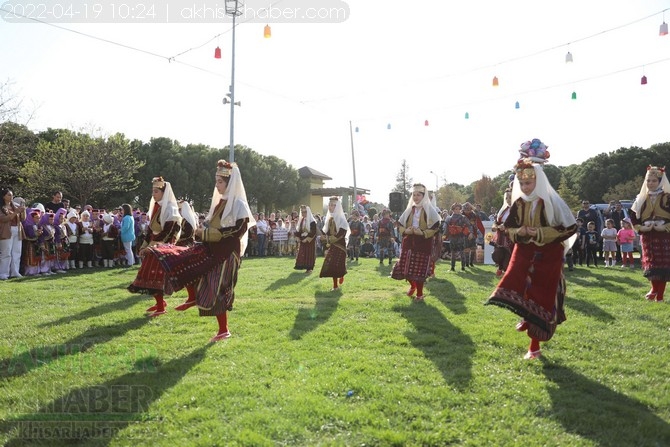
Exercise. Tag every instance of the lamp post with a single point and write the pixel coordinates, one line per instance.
(437, 186)
(353, 163)
(232, 9)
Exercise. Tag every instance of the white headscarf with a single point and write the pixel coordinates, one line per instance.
(558, 212)
(309, 219)
(664, 184)
(236, 205)
(432, 216)
(188, 214)
(338, 217)
(169, 206)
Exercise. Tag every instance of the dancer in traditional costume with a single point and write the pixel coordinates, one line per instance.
(306, 234)
(164, 227)
(437, 238)
(650, 215)
(386, 237)
(541, 225)
(356, 233)
(211, 267)
(334, 238)
(73, 229)
(418, 225)
(502, 244)
(471, 241)
(458, 230)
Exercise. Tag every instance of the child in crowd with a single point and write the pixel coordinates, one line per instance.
(592, 239)
(579, 247)
(609, 235)
(626, 236)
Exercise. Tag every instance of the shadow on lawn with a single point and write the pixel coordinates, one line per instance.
(309, 319)
(593, 411)
(96, 311)
(294, 278)
(445, 291)
(443, 343)
(25, 360)
(96, 415)
(588, 309)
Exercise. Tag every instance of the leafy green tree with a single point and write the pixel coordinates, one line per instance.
(103, 165)
(403, 181)
(624, 191)
(487, 193)
(568, 195)
(17, 145)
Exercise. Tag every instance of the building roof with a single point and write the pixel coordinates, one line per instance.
(306, 171)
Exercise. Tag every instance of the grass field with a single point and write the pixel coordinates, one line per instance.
(80, 364)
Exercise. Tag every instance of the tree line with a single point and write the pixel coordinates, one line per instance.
(108, 171)
(616, 175)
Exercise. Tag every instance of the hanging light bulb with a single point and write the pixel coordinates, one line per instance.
(568, 57)
(217, 53)
(574, 95)
(643, 81)
(267, 32)
(388, 126)
(495, 81)
(663, 30)
(356, 129)
(425, 123)
(517, 105)
(467, 116)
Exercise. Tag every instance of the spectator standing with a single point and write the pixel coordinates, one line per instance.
(592, 242)
(608, 236)
(626, 236)
(11, 234)
(261, 231)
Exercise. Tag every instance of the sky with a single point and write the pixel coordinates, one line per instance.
(372, 64)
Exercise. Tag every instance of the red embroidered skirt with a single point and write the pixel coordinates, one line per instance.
(656, 255)
(533, 288)
(306, 256)
(415, 259)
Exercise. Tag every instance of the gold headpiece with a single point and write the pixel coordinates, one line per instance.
(158, 182)
(524, 169)
(224, 168)
(655, 171)
(418, 187)
(334, 199)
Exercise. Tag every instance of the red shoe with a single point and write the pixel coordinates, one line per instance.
(411, 291)
(499, 273)
(650, 296)
(157, 313)
(522, 325)
(341, 280)
(154, 308)
(221, 336)
(185, 305)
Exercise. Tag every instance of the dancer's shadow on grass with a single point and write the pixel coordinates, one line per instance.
(442, 343)
(95, 311)
(445, 291)
(595, 412)
(25, 359)
(294, 278)
(309, 319)
(586, 278)
(98, 414)
(589, 309)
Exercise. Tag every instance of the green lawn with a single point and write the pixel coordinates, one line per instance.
(82, 365)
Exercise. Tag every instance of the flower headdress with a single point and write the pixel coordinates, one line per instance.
(524, 169)
(535, 150)
(224, 168)
(158, 182)
(655, 171)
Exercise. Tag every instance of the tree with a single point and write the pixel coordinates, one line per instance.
(624, 191)
(487, 193)
(403, 181)
(17, 145)
(569, 196)
(450, 194)
(102, 166)
(11, 105)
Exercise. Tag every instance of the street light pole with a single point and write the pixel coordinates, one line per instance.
(232, 8)
(437, 186)
(353, 162)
